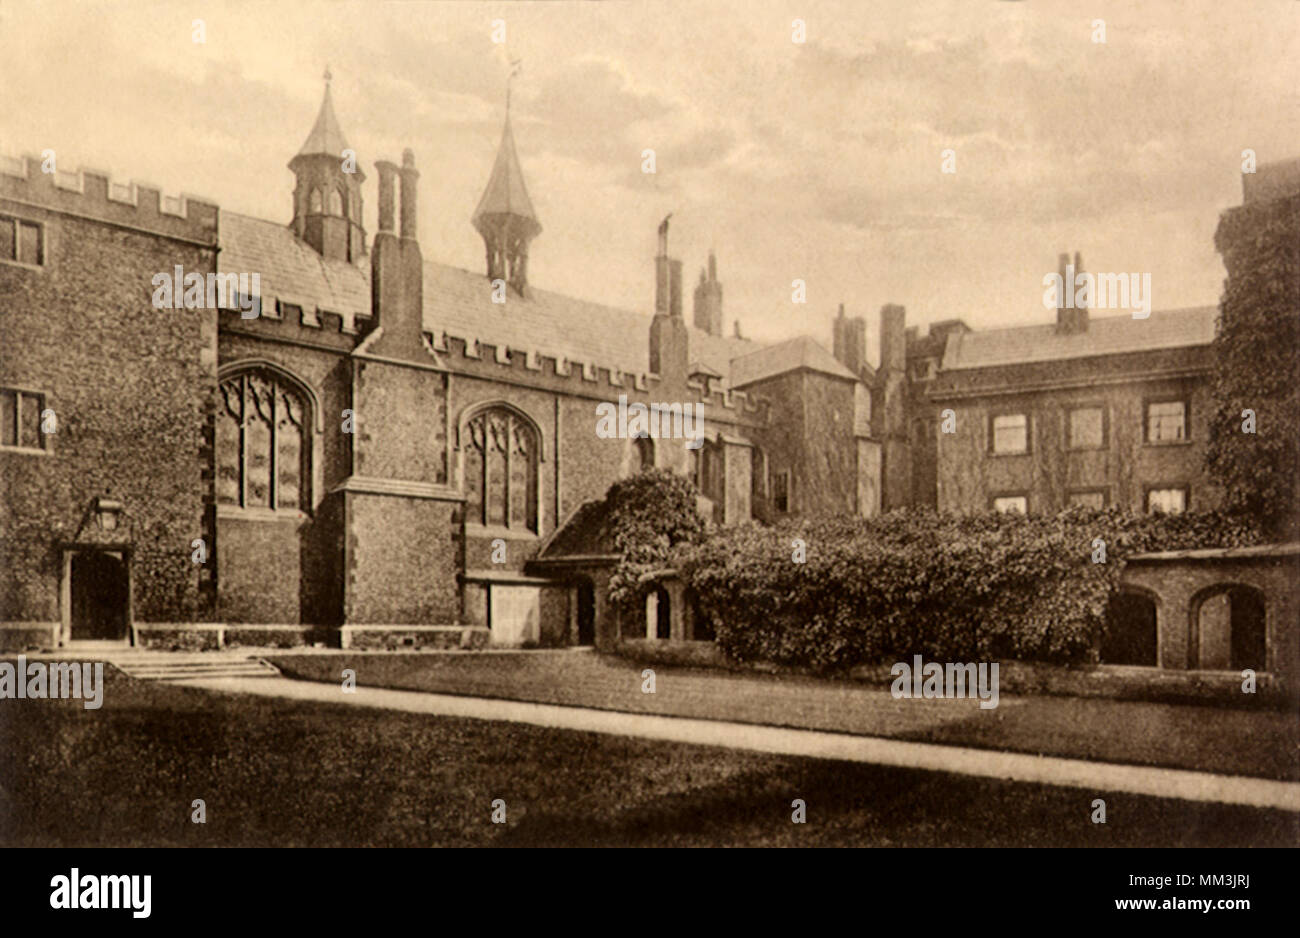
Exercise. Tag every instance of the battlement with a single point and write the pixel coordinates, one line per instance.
(93, 194)
(586, 379)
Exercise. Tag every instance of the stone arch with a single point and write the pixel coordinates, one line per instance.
(1228, 627)
(1131, 635)
(500, 451)
(473, 410)
(659, 612)
(315, 201)
(312, 423)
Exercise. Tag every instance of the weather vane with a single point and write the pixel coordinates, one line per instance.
(515, 66)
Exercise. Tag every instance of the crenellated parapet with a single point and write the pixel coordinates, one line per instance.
(585, 379)
(93, 194)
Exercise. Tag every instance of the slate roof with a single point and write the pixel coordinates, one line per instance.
(1110, 335)
(326, 136)
(792, 355)
(458, 303)
(582, 534)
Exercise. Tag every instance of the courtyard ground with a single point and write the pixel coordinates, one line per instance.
(278, 772)
(1264, 743)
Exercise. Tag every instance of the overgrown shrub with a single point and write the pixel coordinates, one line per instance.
(946, 587)
(646, 516)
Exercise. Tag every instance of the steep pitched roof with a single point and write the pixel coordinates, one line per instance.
(458, 303)
(326, 136)
(506, 193)
(290, 268)
(793, 355)
(1112, 335)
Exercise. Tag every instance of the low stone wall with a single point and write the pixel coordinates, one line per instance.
(209, 636)
(682, 654)
(27, 636)
(178, 636)
(433, 637)
(278, 636)
(1154, 685)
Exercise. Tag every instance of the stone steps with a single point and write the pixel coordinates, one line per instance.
(165, 666)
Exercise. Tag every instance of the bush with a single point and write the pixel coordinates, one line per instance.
(646, 517)
(945, 587)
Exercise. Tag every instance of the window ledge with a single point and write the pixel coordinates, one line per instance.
(516, 534)
(25, 450)
(23, 264)
(262, 514)
(1159, 443)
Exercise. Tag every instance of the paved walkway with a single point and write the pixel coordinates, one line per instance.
(1098, 778)
(1193, 737)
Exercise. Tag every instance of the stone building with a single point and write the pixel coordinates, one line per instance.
(348, 443)
(371, 449)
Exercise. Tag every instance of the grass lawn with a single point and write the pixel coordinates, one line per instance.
(276, 772)
(1264, 743)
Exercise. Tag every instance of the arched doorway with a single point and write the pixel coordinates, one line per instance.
(701, 625)
(1228, 630)
(99, 597)
(586, 613)
(1249, 641)
(658, 614)
(1130, 636)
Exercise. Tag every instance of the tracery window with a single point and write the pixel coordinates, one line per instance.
(263, 458)
(501, 452)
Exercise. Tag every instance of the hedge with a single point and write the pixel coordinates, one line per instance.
(950, 588)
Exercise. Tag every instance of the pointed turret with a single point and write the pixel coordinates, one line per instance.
(505, 217)
(327, 206)
(326, 136)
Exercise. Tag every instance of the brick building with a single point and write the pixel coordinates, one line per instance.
(378, 449)
(371, 449)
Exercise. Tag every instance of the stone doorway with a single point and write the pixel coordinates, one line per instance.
(586, 613)
(97, 596)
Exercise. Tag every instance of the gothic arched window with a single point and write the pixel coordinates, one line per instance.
(643, 449)
(314, 206)
(263, 443)
(501, 456)
(336, 202)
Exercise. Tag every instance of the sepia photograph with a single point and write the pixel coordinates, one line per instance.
(664, 424)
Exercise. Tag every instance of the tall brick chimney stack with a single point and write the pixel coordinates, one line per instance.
(669, 336)
(397, 267)
(708, 299)
(1070, 319)
(891, 415)
(675, 293)
(849, 341)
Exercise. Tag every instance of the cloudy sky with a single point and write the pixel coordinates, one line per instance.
(817, 160)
